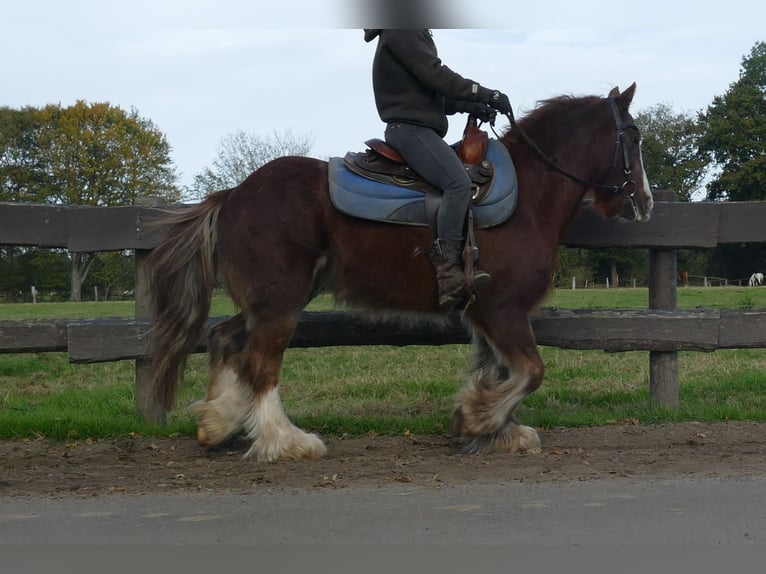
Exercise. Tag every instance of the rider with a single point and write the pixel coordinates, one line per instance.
(414, 93)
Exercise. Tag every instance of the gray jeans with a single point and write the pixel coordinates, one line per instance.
(435, 161)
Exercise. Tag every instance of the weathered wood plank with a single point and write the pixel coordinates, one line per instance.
(33, 225)
(663, 365)
(742, 329)
(336, 329)
(742, 222)
(623, 330)
(627, 330)
(104, 340)
(94, 229)
(680, 225)
(671, 225)
(33, 336)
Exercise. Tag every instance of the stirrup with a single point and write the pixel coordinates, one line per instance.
(481, 281)
(476, 280)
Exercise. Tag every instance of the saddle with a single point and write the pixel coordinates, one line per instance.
(382, 163)
(390, 192)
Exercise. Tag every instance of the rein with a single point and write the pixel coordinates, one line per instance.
(628, 187)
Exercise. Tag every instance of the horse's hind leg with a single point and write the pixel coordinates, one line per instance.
(506, 370)
(266, 422)
(228, 400)
(243, 391)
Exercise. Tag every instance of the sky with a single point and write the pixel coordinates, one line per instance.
(201, 70)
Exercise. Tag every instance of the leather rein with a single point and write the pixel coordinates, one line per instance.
(628, 187)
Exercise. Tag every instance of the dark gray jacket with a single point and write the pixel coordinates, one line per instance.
(412, 85)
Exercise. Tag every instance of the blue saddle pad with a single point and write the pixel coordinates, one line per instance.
(357, 196)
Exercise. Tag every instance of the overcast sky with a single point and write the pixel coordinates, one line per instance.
(203, 69)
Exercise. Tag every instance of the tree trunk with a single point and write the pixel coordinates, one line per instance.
(81, 266)
(75, 281)
(614, 279)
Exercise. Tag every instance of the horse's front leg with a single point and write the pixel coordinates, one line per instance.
(507, 368)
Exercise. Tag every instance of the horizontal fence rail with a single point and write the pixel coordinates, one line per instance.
(662, 330)
(103, 340)
(673, 225)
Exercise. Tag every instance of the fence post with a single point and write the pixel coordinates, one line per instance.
(663, 365)
(145, 403)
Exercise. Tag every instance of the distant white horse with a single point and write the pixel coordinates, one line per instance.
(755, 279)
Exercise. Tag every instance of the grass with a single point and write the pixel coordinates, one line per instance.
(388, 390)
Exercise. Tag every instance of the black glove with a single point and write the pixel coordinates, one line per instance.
(499, 101)
(481, 112)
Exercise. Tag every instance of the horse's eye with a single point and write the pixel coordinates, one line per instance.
(636, 140)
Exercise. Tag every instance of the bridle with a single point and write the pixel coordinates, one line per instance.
(628, 187)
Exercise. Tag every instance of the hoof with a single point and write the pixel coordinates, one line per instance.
(529, 440)
(212, 427)
(300, 446)
(513, 438)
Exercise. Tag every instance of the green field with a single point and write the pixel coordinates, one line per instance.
(388, 390)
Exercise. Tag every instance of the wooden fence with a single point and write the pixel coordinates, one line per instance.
(661, 329)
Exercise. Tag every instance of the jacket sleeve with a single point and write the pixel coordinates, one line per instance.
(452, 107)
(412, 50)
(459, 106)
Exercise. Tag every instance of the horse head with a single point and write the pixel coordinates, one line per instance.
(625, 190)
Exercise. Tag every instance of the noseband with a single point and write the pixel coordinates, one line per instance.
(627, 188)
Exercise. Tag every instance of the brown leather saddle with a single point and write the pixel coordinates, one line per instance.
(382, 163)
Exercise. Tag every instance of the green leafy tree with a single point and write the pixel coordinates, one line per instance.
(84, 154)
(670, 150)
(97, 154)
(736, 140)
(736, 133)
(21, 175)
(11, 274)
(240, 154)
(114, 275)
(620, 266)
(572, 262)
(673, 161)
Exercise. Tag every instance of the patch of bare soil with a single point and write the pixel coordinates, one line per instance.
(144, 464)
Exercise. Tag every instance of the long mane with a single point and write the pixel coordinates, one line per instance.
(553, 110)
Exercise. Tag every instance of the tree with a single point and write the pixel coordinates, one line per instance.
(620, 265)
(20, 173)
(97, 154)
(736, 133)
(114, 274)
(736, 140)
(670, 150)
(240, 154)
(85, 154)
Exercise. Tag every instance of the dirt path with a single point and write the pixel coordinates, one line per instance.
(143, 465)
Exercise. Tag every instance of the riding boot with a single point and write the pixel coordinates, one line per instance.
(450, 279)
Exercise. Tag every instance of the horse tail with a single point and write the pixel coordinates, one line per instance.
(182, 271)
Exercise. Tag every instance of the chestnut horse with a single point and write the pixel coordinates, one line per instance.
(277, 241)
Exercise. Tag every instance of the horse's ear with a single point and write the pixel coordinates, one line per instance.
(614, 92)
(627, 95)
